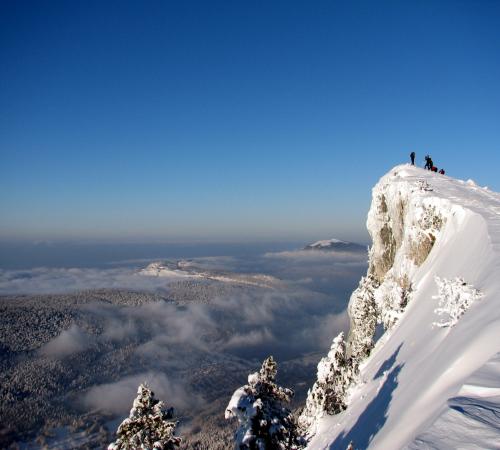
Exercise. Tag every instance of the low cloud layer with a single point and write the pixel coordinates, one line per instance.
(70, 341)
(212, 326)
(44, 280)
(252, 324)
(318, 255)
(299, 266)
(117, 398)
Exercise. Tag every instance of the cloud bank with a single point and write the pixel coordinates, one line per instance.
(117, 398)
(44, 280)
(70, 341)
(161, 342)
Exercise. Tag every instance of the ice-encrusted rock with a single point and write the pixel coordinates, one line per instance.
(404, 222)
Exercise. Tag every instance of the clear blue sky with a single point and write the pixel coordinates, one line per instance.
(235, 120)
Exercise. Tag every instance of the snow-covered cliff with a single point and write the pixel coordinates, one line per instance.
(433, 379)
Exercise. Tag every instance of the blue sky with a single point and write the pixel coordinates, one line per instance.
(234, 121)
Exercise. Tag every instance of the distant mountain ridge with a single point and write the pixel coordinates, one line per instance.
(335, 245)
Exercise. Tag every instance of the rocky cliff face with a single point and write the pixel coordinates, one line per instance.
(404, 222)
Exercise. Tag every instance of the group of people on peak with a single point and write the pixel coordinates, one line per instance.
(429, 165)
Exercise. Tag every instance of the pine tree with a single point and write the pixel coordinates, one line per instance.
(363, 315)
(264, 422)
(328, 394)
(148, 426)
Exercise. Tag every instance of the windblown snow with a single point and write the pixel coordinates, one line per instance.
(432, 381)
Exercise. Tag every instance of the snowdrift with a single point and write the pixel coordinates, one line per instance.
(433, 378)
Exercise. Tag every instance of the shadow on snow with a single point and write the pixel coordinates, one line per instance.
(388, 363)
(479, 410)
(373, 418)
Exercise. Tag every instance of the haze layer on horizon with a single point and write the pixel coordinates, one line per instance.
(231, 121)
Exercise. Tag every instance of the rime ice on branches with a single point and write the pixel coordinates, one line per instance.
(328, 394)
(455, 298)
(148, 426)
(264, 422)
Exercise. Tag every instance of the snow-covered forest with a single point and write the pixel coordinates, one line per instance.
(72, 361)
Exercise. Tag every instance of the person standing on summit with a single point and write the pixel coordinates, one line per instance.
(412, 157)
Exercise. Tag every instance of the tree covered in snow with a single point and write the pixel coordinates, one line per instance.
(148, 426)
(391, 298)
(455, 297)
(264, 422)
(363, 315)
(328, 394)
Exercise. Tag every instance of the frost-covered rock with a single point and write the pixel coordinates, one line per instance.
(264, 422)
(455, 298)
(148, 426)
(404, 222)
(328, 394)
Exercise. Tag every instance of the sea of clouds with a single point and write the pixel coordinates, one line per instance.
(299, 315)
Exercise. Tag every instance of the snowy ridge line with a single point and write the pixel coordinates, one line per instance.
(420, 379)
(470, 390)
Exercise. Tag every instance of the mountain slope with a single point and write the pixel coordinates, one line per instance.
(425, 385)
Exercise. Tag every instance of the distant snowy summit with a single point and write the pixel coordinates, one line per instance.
(335, 245)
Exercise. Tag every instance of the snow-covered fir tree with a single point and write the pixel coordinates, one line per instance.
(363, 315)
(264, 421)
(328, 394)
(148, 426)
(455, 298)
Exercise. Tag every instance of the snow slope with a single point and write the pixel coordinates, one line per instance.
(425, 386)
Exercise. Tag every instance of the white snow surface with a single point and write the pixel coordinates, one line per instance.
(428, 387)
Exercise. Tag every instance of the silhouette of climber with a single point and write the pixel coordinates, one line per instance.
(428, 163)
(412, 157)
